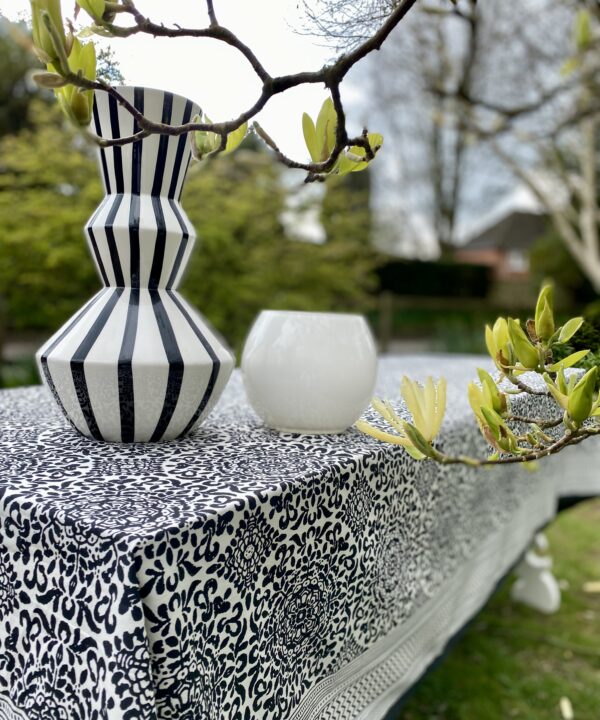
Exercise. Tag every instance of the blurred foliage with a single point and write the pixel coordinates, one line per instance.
(587, 337)
(108, 68)
(550, 258)
(244, 261)
(16, 91)
(49, 186)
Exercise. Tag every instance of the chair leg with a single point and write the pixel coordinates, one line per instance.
(536, 586)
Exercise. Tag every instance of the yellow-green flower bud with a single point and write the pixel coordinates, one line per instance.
(544, 324)
(204, 142)
(476, 401)
(546, 295)
(496, 340)
(494, 398)
(581, 398)
(42, 39)
(526, 353)
(75, 102)
(207, 142)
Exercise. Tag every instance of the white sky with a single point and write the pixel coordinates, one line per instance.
(216, 76)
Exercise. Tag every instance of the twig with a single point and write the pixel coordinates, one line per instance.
(211, 13)
(540, 422)
(524, 387)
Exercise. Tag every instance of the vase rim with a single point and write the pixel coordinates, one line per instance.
(308, 314)
(149, 90)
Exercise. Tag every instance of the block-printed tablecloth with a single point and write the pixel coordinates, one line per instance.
(242, 573)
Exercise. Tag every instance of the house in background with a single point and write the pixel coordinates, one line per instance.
(504, 245)
(501, 240)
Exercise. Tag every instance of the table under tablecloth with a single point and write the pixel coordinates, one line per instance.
(241, 573)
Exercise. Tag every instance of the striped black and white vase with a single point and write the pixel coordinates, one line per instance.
(138, 363)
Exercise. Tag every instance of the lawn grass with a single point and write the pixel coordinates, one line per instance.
(513, 662)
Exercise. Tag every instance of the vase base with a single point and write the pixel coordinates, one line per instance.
(299, 431)
(135, 365)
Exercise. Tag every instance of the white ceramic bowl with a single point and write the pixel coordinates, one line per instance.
(309, 372)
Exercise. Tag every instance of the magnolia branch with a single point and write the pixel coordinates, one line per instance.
(569, 438)
(330, 75)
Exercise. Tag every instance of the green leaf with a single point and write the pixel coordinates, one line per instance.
(493, 420)
(325, 129)
(95, 8)
(568, 362)
(418, 441)
(310, 137)
(235, 138)
(569, 329)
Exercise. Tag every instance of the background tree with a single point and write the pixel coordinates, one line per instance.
(48, 187)
(244, 261)
(415, 79)
(16, 90)
(478, 97)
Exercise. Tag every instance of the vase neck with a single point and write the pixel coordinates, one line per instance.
(155, 165)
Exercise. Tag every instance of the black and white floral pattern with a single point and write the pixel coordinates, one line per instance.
(226, 574)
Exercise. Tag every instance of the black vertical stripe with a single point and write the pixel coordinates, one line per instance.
(112, 243)
(125, 369)
(102, 150)
(113, 109)
(125, 362)
(187, 116)
(187, 165)
(182, 245)
(175, 376)
(163, 146)
(161, 230)
(97, 256)
(78, 359)
(134, 240)
(213, 356)
(161, 242)
(94, 244)
(134, 207)
(57, 340)
(136, 158)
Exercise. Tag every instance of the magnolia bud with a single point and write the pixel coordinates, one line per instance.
(544, 324)
(77, 103)
(48, 80)
(581, 398)
(524, 350)
(42, 38)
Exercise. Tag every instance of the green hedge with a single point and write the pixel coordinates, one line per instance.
(434, 279)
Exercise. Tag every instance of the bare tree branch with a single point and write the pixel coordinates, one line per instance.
(330, 75)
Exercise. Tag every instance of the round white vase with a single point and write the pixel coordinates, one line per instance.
(309, 372)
